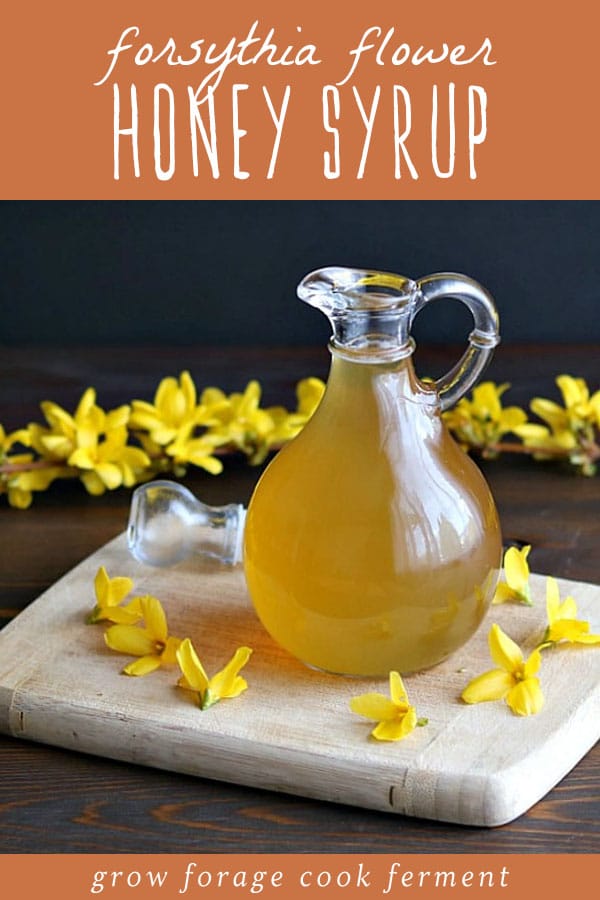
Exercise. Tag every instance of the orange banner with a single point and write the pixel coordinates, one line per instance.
(187, 100)
(296, 877)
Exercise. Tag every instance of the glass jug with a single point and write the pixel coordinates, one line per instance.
(372, 541)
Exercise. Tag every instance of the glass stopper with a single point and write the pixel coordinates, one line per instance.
(167, 524)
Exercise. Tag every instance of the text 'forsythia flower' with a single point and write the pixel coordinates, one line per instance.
(227, 683)
(395, 716)
(516, 572)
(515, 680)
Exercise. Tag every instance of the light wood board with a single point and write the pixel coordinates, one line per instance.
(292, 730)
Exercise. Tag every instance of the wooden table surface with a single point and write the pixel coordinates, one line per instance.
(57, 801)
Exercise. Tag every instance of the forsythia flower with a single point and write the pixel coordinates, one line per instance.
(514, 681)
(562, 624)
(481, 421)
(580, 410)
(174, 413)
(19, 476)
(516, 571)
(91, 441)
(7, 440)
(110, 592)
(242, 423)
(225, 684)
(254, 431)
(309, 393)
(198, 451)
(57, 441)
(152, 644)
(105, 457)
(570, 431)
(396, 717)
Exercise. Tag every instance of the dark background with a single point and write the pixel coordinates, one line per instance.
(225, 273)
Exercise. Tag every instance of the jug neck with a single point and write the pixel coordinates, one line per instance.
(348, 374)
(370, 312)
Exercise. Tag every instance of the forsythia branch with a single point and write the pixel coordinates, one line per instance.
(137, 441)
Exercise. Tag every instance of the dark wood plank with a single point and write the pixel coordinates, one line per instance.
(55, 801)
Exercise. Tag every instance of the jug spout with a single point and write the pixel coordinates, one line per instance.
(370, 312)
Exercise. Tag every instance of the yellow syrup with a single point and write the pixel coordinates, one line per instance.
(372, 541)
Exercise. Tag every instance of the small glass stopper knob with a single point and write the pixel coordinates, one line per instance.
(168, 524)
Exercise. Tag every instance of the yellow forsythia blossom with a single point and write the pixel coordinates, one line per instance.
(570, 430)
(395, 716)
(174, 414)
(227, 683)
(515, 588)
(515, 680)
(90, 443)
(480, 422)
(563, 624)
(110, 593)
(243, 424)
(19, 474)
(152, 644)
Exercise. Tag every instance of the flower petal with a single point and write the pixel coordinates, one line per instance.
(165, 389)
(572, 630)
(374, 706)
(81, 459)
(568, 609)
(110, 591)
(110, 475)
(93, 484)
(492, 685)
(512, 417)
(574, 390)
(503, 650)
(88, 399)
(309, 392)
(191, 667)
(102, 586)
(154, 617)
(119, 615)
(189, 389)
(396, 729)
(18, 498)
(550, 412)
(588, 639)
(505, 594)
(142, 666)
(227, 683)
(398, 693)
(552, 599)
(526, 698)
(212, 396)
(169, 654)
(515, 567)
(533, 664)
(130, 639)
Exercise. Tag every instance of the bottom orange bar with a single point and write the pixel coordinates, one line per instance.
(197, 877)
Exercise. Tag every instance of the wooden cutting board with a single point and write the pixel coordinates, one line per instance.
(292, 730)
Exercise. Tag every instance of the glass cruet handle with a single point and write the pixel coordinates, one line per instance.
(482, 339)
